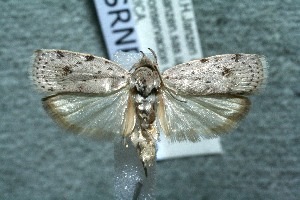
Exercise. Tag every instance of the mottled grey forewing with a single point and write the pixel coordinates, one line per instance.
(65, 71)
(222, 74)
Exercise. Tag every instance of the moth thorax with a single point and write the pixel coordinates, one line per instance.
(144, 80)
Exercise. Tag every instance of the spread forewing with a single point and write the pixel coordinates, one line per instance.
(99, 116)
(66, 71)
(222, 74)
(195, 117)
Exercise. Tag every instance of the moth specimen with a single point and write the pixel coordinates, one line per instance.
(97, 97)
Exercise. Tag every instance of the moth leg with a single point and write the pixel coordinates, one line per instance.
(139, 150)
(125, 143)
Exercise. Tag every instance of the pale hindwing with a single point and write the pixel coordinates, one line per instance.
(222, 74)
(65, 71)
(99, 116)
(200, 116)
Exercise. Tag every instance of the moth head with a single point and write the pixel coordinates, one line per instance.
(144, 80)
(145, 77)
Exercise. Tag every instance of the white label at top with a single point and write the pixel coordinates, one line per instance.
(118, 27)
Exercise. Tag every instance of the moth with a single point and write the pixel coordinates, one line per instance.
(199, 99)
